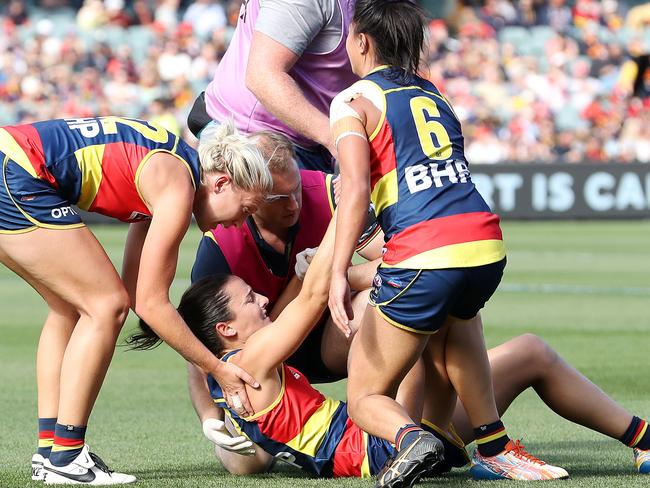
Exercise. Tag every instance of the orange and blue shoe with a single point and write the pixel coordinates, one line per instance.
(514, 463)
(642, 460)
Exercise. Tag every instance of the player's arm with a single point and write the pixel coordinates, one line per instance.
(269, 63)
(131, 262)
(288, 294)
(167, 189)
(200, 395)
(360, 276)
(348, 121)
(260, 462)
(273, 344)
(212, 417)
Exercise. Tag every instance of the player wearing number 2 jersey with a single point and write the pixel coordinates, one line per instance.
(139, 173)
(400, 144)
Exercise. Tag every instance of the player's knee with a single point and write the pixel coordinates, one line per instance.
(111, 308)
(539, 354)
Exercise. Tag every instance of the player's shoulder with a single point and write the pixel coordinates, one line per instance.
(356, 96)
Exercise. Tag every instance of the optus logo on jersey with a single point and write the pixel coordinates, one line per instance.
(58, 213)
(422, 177)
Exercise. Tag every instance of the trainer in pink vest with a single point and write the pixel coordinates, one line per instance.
(243, 256)
(320, 77)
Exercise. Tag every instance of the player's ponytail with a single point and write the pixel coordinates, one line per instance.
(397, 27)
(223, 149)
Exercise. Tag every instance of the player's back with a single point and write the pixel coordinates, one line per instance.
(420, 180)
(94, 162)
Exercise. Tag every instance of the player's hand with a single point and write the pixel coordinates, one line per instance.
(232, 380)
(340, 304)
(303, 260)
(215, 430)
(336, 183)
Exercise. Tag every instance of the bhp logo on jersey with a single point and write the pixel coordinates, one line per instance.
(58, 213)
(422, 177)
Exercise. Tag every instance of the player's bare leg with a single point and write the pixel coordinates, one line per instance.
(527, 361)
(439, 395)
(335, 347)
(469, 369)
(74, 267)
(380, 357)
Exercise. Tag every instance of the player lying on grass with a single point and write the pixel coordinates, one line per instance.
(136, 172)
(518, 364)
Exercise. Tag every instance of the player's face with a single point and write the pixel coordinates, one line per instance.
(225, 204)
(283, 205)
(248, 308)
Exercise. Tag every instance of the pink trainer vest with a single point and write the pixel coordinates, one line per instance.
(320, 77)
(243, 255)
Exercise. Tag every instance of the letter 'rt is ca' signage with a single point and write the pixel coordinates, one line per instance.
(590, 191)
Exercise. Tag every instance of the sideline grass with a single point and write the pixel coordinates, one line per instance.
(143, 422)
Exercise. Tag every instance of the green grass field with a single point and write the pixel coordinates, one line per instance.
(583, 286)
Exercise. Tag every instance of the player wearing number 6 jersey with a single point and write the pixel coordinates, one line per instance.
(139, 173)
(401, 145)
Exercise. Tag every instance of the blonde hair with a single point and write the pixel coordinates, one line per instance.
(223, 149)
(277, 149)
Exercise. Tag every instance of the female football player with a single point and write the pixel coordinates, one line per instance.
(293, 421)
(139, 173)
(297, 424)
(400, 144)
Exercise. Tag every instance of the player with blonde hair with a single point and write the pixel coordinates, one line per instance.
(136, 172)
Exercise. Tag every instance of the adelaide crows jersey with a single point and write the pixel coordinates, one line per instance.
(429, 209)
(94, 163)
(309, 430)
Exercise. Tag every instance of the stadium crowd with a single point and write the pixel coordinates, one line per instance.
(531, 80)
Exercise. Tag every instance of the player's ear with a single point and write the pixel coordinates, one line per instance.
(363, 42)
(224, 329)
(221, 183)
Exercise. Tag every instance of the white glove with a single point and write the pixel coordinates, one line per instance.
(215, 430)
(303, 259)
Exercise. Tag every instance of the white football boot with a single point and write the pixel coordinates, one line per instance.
(86, 469)
(37, 467)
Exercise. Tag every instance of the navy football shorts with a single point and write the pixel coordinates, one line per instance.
(419, 300)
(27, 203)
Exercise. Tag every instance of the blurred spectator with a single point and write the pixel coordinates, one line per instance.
(16, 12)
(92, 15)
(205, 16)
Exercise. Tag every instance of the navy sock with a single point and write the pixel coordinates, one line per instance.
(637, 434)
(45, 436)
(491, 439)
(406, 435)
(68, 443)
